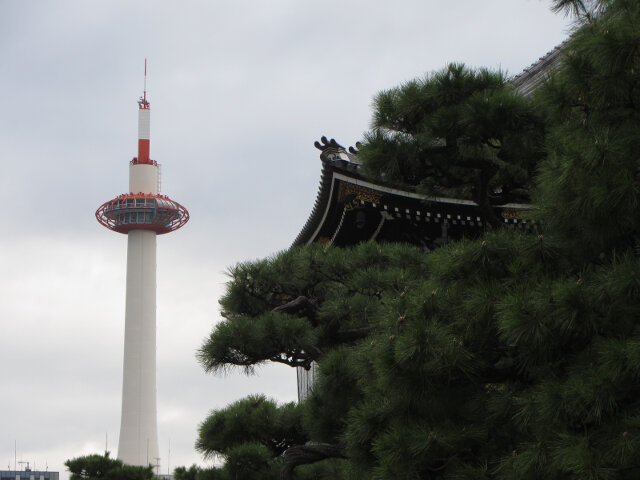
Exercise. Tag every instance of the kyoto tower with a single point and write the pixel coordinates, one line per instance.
(141, 214)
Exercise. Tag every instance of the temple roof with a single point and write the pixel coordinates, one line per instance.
(531, 77)
(350, 208)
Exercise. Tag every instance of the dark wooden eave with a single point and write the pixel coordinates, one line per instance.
(350, 209)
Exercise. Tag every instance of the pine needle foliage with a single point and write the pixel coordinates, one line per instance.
(458, 132)
(253, 419)
(588, 184)
(513, 356)
(301, 303)
(94, 467)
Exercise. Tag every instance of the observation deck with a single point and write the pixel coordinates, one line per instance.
(139, 211)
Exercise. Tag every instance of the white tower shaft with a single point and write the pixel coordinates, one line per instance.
(138, 444)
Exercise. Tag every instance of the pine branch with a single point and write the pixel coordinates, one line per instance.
(350, 336)
(304, 362)
(302, 305)
(307, 454)
(294, 306)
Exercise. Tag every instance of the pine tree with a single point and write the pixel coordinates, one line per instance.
(94, 467)
(514, 356)
(589, 181)
(460, 133)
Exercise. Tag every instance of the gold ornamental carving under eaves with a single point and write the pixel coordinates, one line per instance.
(352, 195)
(515, 214)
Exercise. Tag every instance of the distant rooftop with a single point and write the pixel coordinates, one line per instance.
(28, 474)
(531, 77)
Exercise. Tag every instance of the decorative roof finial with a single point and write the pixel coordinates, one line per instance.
(327, 144)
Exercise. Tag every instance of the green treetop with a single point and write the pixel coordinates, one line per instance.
(458, 133)
(95, 467)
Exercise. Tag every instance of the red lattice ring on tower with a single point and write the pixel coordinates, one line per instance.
(140, 211)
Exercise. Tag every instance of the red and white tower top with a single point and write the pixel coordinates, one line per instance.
(143, 208)
(144, 123)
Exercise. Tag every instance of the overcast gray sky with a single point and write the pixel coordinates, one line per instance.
(239, 92)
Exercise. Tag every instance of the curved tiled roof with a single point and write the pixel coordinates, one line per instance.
(531, 77)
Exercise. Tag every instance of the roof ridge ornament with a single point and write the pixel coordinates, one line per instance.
(354, 150)
(327, 144)
(332, 151)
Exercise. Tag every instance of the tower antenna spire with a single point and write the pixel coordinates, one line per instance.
(144, 92)
(143, 102)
